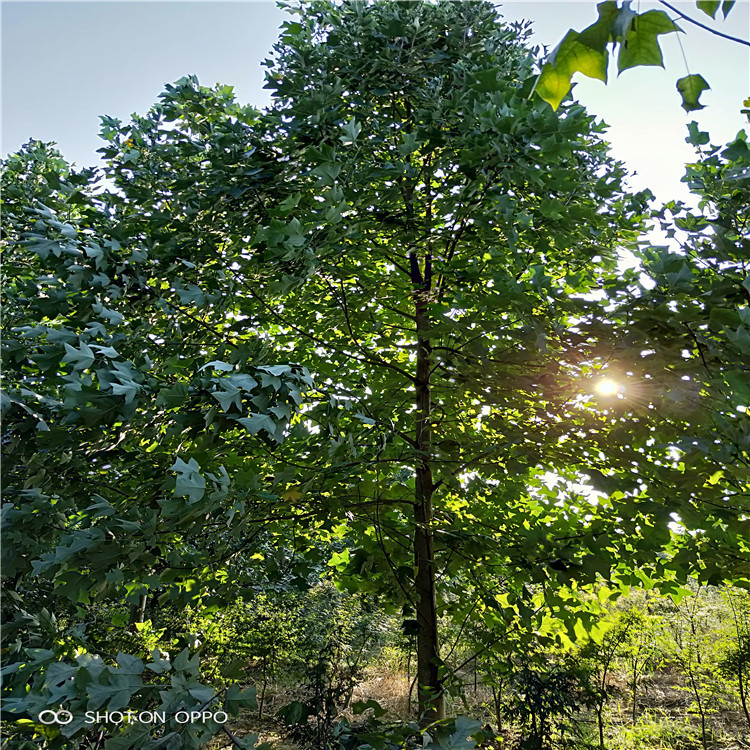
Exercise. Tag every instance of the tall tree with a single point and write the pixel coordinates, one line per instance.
(439, 232)
(444, 225)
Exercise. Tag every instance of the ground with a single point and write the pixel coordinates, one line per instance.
(666, 717)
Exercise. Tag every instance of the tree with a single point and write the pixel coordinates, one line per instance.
(638, 651)
(599, 657)
(692, 636)
(417, 181)
(370, 317)
(736, 662)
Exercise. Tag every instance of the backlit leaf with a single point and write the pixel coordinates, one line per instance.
(690, 88)
(641, 46)
(571, 56)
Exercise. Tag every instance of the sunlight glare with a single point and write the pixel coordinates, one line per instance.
(608, 387)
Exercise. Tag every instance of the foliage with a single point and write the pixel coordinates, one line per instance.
(736, 661)
(692, 633)
(638, 651)
(329, 658)
(598, 658)
(461, 733)
(635, 36)
(700, 303)
(658, 731)
(102, 406)
(544, 702)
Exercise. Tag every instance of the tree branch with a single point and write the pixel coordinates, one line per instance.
(704, 27)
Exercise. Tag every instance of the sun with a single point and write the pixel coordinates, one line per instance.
(608, 387)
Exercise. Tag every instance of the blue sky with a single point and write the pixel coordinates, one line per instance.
(66, 63)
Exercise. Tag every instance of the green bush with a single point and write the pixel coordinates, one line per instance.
(657, 732)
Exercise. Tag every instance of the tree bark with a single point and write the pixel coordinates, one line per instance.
(138, 611)
(429, 683)
(743, 692)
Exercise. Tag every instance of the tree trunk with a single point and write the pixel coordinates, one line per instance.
(696, 693)
(262, 700)
(429, 687)
(138, 611)
(743, 693)
(497, 694)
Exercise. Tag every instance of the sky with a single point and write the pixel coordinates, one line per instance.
(66, 63)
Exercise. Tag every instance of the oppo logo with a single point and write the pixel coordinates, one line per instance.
(55, 717)
(134, 717)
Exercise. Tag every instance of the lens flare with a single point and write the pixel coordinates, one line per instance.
(608, 387)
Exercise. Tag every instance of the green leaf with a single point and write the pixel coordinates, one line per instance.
(696, 137)
(351, 130)
(228, 397)
(276, 370)
(202, 693)
(487, 81)
(192, 294)
(466, 726)
(709, 7)
(552, 85)
(737, 151)
(113, 687)
(741, 338)
(183, 662)
(218, 365)
(158, 664)
(241, 380)
(459, 738)
(571, 56)
(359, 707)
(107, 351)
(81, 358)
(690, 88)
(641, 45)
(173, 397)
(236, 700)
(126, 388)
(111, 316)
(129, 664)
(190, 483)
(294, 713)
(291, 28)
(257, 422)
(119, 619)
(599, 34)
(726, 6)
